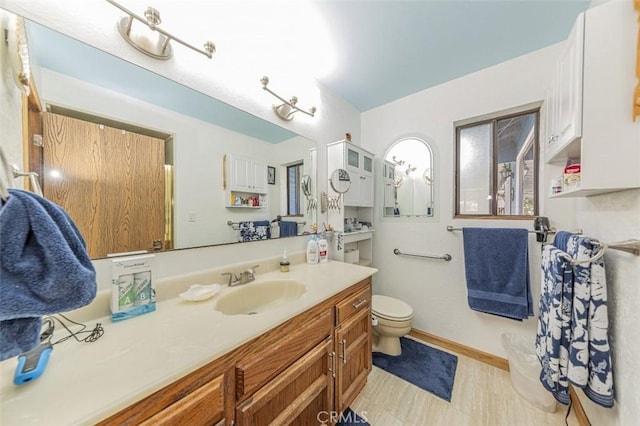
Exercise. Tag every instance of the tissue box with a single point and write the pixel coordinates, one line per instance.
(352, 256)
(571, 177)
(133, 290)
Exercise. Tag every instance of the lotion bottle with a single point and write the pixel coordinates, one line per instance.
(312, 250)
(323, 250)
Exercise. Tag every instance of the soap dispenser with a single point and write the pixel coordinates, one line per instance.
(284, 262)
(312, 250)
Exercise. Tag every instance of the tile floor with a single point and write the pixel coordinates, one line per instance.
(482, 396)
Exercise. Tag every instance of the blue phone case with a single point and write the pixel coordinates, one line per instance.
(31, 364)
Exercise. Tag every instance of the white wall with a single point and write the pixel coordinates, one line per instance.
(616, 217)
(437, 289)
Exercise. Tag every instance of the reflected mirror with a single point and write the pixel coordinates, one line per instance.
(199, 165)
(408, 179)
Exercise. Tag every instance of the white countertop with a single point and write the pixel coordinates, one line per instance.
(87, 382)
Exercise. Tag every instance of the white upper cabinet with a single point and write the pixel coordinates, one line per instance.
(247, 175)
(359, 163)
(588, 111)
(566, 92)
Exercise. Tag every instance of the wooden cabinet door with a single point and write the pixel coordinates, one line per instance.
(204, 406)
(111, 183)
(353, 349)
(299, 395)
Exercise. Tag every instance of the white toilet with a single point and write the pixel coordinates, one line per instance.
(394, 320)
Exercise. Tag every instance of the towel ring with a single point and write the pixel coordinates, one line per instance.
(598, 255)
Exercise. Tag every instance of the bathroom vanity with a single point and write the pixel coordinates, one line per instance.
(290, 363)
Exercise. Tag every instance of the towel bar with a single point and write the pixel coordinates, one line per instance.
(446, 257)
(551, 231)
(629, 246)
(236, 225)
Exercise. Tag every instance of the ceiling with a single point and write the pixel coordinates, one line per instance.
(390, 49)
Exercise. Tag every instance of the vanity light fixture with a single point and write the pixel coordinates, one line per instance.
(287, 108)
(161, 47)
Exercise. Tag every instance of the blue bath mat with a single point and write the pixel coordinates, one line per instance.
(428, 368)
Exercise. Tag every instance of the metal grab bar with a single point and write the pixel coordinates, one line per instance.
(446, 257)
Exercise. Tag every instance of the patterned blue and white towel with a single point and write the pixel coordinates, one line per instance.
(254, 231)
(589, 354)
(554, 321)
(572, 339)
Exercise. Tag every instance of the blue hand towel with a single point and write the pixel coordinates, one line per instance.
(44, 268)
(288, 228)
(496, 265)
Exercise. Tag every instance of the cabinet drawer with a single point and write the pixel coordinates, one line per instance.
(204, 406)
(258, 368)
(354, 303)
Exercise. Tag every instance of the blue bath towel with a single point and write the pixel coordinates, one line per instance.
(44, 269)
(288, 229)
(496, 266)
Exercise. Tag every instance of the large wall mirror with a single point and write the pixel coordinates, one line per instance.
(117, 125)
(408, 178)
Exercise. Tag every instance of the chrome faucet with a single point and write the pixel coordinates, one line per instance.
(245, 276)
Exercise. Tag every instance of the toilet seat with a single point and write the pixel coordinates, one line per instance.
(390, 308)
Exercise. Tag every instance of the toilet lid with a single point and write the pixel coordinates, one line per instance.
(390, 308)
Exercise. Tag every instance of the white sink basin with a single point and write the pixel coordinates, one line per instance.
(254, 298)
